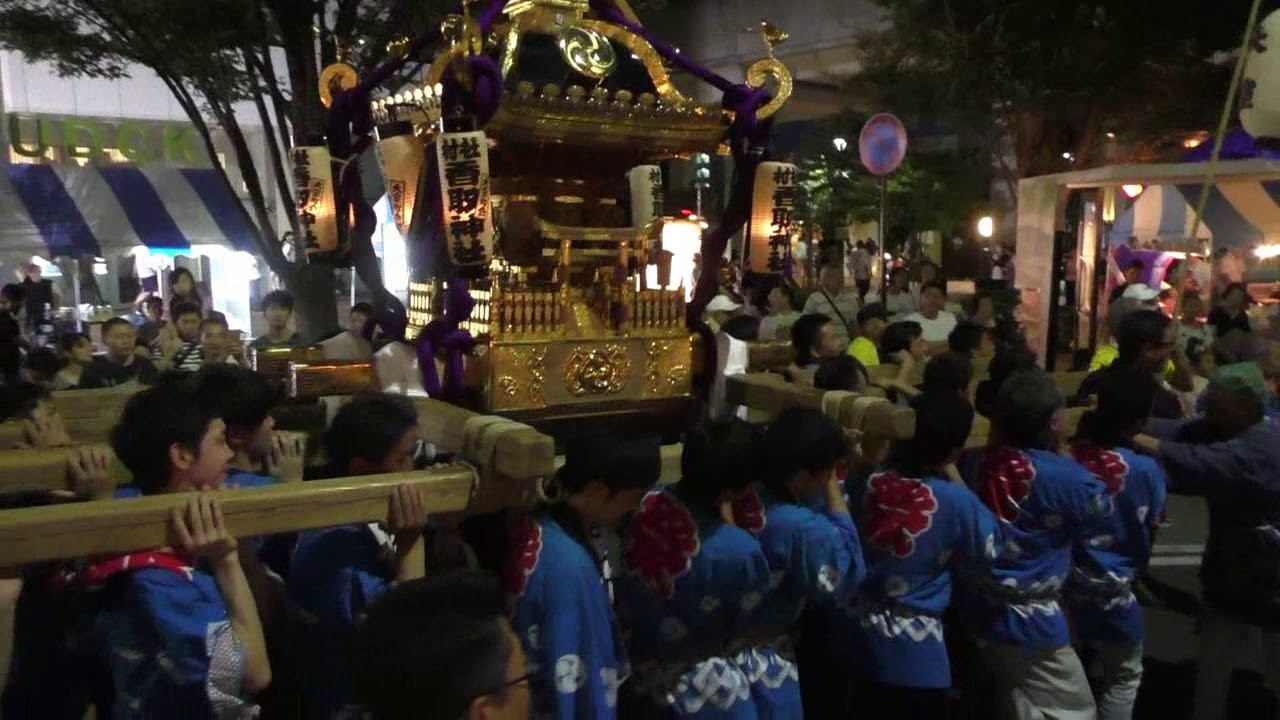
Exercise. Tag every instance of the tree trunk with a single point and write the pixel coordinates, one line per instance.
(315, 293)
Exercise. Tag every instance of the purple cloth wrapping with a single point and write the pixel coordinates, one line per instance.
(444, 335)
(1237, 145)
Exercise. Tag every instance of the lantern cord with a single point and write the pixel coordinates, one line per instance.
(1211, 173)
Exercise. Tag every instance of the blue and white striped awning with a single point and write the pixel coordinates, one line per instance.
(1238, 212)
(67, 210)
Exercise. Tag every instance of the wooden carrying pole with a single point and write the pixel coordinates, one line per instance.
(116, 526)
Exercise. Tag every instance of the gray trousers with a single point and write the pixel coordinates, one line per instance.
(1040, 683)
(1225, 645)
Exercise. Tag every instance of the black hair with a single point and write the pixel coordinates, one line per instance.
(1140, 329)
(841, 372)
(177, 275)
(943, 423)
(899, 336)
(215, 319)
(872, 311)
(363, 308)
(244, 398)
(368, 427)
(68, 341)
(1124, 403)
(801, 439)
(429, 647)
(19, 400)
(966, 338)
(14, 293)
(183, 308)
(1025, 406)
(153, 300)
(719, 456)
(1136, 264)
(153, 421)
(804, 335)
(113, 323)
(948, 373)
(1007, 361)
(278, 298)
(619, 464)
(1236, 286)
(44, 362)
(741, 327)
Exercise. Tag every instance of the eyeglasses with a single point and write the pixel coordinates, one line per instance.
(521, 680)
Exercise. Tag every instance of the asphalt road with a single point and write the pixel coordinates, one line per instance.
(1171, 641)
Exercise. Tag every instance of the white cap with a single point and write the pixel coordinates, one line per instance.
(722, 303)
(1141, 293)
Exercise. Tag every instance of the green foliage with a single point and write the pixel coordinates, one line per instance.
(929, 191)
(216, 54)
(1050, 76)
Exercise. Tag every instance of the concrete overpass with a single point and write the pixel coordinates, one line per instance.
(821, 51)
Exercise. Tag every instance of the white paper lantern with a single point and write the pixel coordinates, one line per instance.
(1260, 86)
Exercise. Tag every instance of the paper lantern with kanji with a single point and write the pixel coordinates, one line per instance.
(317, 212)
(645, 183)
(773, 205)
(400, 159)
(463, 159)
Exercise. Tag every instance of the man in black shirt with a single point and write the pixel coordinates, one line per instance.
(1147, 340)
(41, 299)
(121, 365)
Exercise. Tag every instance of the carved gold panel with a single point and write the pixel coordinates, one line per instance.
(667, 367)
(597, 370)
(519, 377)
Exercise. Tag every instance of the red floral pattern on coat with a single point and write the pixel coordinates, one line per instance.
(748, 511)
(662, 542)
(526, 550)
(1004, 481)
(899, 510)
(1107, 465)
(102, 570)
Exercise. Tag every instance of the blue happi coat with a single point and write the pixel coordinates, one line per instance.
(1100, 589)
(916, 534)
(1046, 505)
(171, 650)
(687, 573)
(335, 575)
(813, 553)
(561, 610)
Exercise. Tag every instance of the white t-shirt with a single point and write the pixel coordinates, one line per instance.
(777, 327)
(347, 346)
(936, 330)
(398, 371)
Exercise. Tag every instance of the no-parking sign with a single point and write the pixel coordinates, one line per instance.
(882, 145)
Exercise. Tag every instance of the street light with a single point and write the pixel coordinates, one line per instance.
(841, 144)
(986, 227)
(702, 176)
(1131, 191)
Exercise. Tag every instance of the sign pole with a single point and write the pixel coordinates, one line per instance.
(884, 214)
(882, 146)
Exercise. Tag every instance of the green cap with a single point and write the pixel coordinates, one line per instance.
(1243, 380)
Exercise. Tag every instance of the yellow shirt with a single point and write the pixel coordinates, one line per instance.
(865, 352)
(1107, 354)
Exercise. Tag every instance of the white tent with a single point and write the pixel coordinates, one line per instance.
(1244, 208)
